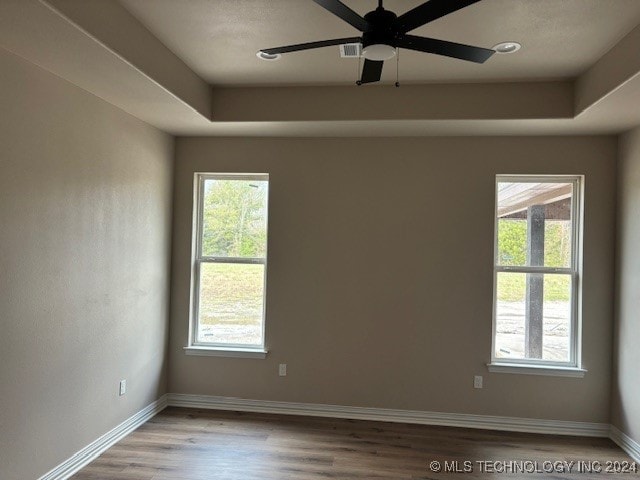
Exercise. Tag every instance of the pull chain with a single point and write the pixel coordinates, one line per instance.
(397, 67)
(358, 81)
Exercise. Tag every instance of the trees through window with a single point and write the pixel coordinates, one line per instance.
(230, 260)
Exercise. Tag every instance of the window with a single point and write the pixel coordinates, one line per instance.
(229, 262)
(537, 271)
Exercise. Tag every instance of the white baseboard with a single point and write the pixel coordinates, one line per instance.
(95, 448)
(626, 443)
(512, 424)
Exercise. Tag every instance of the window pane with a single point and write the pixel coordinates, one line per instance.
(539, 303)
(534, 224)
(231, 303)
(234, 218)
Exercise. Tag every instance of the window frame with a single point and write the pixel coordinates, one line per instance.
(195, 347)
(573, 367)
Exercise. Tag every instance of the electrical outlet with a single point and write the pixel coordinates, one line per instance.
(477, 381)
(282, 370)
(123, 387)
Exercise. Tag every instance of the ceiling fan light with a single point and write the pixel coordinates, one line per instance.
(507, 47)
(378, 52)
(270, 57)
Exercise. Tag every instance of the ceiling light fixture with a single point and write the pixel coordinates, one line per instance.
(378, 52)
(507, 47)
(269, 57)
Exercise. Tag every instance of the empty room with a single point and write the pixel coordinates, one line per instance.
(311, 239)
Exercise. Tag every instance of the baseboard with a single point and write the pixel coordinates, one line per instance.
(626, 443)
(512, 424)
(95, 448)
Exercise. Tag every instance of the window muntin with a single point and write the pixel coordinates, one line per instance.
(229, 268)
(536, 268)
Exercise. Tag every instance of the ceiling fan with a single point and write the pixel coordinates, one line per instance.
(383, 31)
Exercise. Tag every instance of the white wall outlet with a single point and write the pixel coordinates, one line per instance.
(123, 387)
(477, 381)
(282, 370)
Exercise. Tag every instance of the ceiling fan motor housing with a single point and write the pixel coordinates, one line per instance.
(381, 28)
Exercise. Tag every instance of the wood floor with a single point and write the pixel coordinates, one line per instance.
(188, 444)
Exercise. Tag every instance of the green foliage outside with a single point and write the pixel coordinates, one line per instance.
(512, 251)
(512, 243)
(235, 218)
(231, 293)
(512, 287)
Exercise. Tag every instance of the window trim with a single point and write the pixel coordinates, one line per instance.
(533, 366)
(544, 370)
(194, 347)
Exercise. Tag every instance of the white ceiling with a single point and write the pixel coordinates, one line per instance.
(218, 39)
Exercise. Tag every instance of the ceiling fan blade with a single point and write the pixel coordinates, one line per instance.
(371, 72)
(448, 49)
(345, 13)
(311, 45)
(428, 12)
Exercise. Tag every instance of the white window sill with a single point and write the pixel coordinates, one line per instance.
(226, 352)
(547, 370)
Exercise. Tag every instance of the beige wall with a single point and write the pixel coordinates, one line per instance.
(380, 273)
(626, 385)
(378, 293)
(85, 194)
